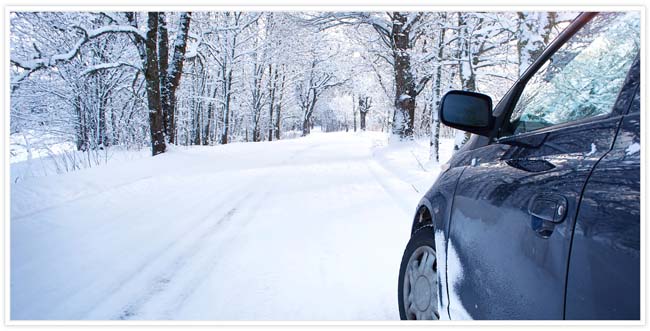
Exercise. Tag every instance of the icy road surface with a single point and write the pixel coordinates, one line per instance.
(304, 229)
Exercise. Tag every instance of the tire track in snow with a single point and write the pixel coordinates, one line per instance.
(207, 268)
(175, 301)
(402, 196)
(153, 260)
(92, 291)
(165, 281)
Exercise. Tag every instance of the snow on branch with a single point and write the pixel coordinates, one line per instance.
(193, 48)
(329, 20)
(115, 29)
(30, 66)
(104, 66)
(412, 19)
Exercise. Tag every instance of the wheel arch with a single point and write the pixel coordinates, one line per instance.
(423, 216)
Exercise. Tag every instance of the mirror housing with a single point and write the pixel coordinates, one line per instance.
(467, 111)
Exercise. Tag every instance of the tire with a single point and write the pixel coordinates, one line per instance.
(418, 278)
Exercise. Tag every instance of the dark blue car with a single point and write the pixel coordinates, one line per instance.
(538, 215)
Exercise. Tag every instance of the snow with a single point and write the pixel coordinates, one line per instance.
(441, 256)
(104, 66)
(455, 273)
(380, 21)
(31, 144)
(467, 70)
(116, 29)
(592, 151)
(404, 97)
(410, 18)
(632, 149)
(304, 229)
(34, 154)
(459, 136)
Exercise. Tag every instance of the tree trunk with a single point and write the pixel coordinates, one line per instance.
(258, 71)
(227, 75)
(257, 133)
(364, 108)
(354, 113)
(307, 124)
(115, 134)
(173, 75)
(152, 78)
(82, 133)
(306, 128)
(540, 25)
(278, 107)
(197, 126)
(434, 151)
(163, 64)
(226, 108)
(277, 122)
(206, 140)
(102, 134)
(405, 93)
(273, 78)
(226, 120)
(465, 69)
(465, 66)
(153, 51)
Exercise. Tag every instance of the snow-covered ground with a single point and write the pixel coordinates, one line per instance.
(304, 229)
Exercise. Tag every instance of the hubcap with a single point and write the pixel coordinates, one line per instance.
(421, 285)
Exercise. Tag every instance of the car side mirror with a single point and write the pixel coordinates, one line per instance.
(467, 111)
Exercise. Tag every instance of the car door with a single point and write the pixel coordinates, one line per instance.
(604, 270)
(516, 202)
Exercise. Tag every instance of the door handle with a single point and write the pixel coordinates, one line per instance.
(546, 210)
(550, 207)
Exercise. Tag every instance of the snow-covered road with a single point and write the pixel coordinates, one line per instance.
(303, 229)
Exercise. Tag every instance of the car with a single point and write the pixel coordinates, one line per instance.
(537, 216)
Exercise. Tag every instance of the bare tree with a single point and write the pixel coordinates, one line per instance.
(365, 103)
(315, 83)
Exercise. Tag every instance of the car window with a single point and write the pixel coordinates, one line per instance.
(583, 78)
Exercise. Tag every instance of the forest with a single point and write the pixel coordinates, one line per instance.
(93, 81)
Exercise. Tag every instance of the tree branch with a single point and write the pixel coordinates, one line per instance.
(30, 66)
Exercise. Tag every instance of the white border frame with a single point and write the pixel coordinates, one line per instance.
(294, 8)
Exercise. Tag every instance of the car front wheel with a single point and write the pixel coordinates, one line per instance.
(418, 278)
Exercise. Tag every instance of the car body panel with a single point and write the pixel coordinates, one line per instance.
(509, 270)
(438, 201)
(604, 270)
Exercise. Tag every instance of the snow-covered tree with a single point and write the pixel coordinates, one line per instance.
(147, 44)
(155, 78)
